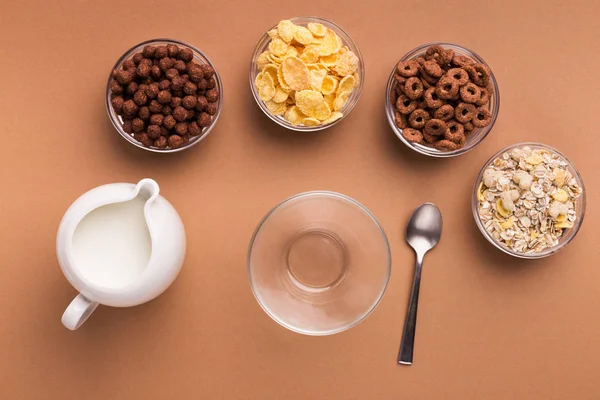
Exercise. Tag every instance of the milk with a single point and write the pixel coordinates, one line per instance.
(111, 245)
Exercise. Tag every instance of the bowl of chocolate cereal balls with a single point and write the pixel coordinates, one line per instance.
(442, 100)
(164, 95)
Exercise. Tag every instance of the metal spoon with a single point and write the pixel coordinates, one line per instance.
(422, 234)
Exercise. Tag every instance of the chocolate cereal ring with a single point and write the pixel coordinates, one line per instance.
(399, 89)
(421, 60)
(418, 118)
(461, 61)
(435, 127)
(464, 112)
(413, 88)
(435, 53)
(479, 74)
(412, 135)
(447, 88)
(454, 131)
(401, 120)
(484, 97)
(445, 145)
(470, 93)
(408, 68)
(468, 126)
(404, 105)
(431, 98)
(482, 117)
(433, 69)
(429, 138)
(490, 88)
(399, 78)
(432, 80)
(448, 56)
(459, 74)
(426, 85)
(445, 112)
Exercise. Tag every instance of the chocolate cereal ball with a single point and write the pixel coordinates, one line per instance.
(189, 102)
(195, 72)
(181, 128)
(169, 122)
(132, 87)
(155, 106)
(211, 108)
(165, 64)
(161, 52)
(154, 131)
(180, 114)
(177, 83)
(143, 70)
(127, 126)
(212, 95)
(116, 88)
(180, 66)
(156, 119)
(186, 54)
(144, 113)
(172, 50)
(194, 129)
(140, 97)
(175, 102)
(208, 70)
(204, 120)
(128, 64)
(210, 83)
(161, 142)
(137, 125)
(164, 97)
(201, 103)
(167, 110)
(152, 90)
(175, 141)
(165, 84)
(117, 104)
(189, 88)
(130, 109)
(171, 73)
(148, 51)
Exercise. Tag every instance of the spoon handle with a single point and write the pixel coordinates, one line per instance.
(405, 356)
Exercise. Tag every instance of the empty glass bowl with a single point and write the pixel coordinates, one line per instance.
(568, 234)
(318, 263)
(263, 45)
(474, 137)
(117, 120)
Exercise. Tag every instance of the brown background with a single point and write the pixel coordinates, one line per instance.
(490, 327)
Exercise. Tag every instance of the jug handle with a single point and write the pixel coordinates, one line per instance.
(78, 312)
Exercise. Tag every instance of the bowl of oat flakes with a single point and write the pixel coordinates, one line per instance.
(529, 200)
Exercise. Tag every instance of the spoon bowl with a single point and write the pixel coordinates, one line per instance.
(424, 228)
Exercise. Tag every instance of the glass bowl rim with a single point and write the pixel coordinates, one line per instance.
(552, 250)
(114, 118)
(388, 269)
(285, 124)
(423, 149)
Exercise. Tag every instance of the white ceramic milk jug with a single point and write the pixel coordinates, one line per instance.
(119, 245)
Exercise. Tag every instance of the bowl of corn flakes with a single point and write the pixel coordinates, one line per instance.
(306, 74)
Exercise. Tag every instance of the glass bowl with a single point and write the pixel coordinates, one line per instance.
(568, 234)
(263, 44)
(318, 263)
(476, 136)
(117, 120)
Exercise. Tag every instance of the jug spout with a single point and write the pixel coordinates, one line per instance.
(148, 188)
